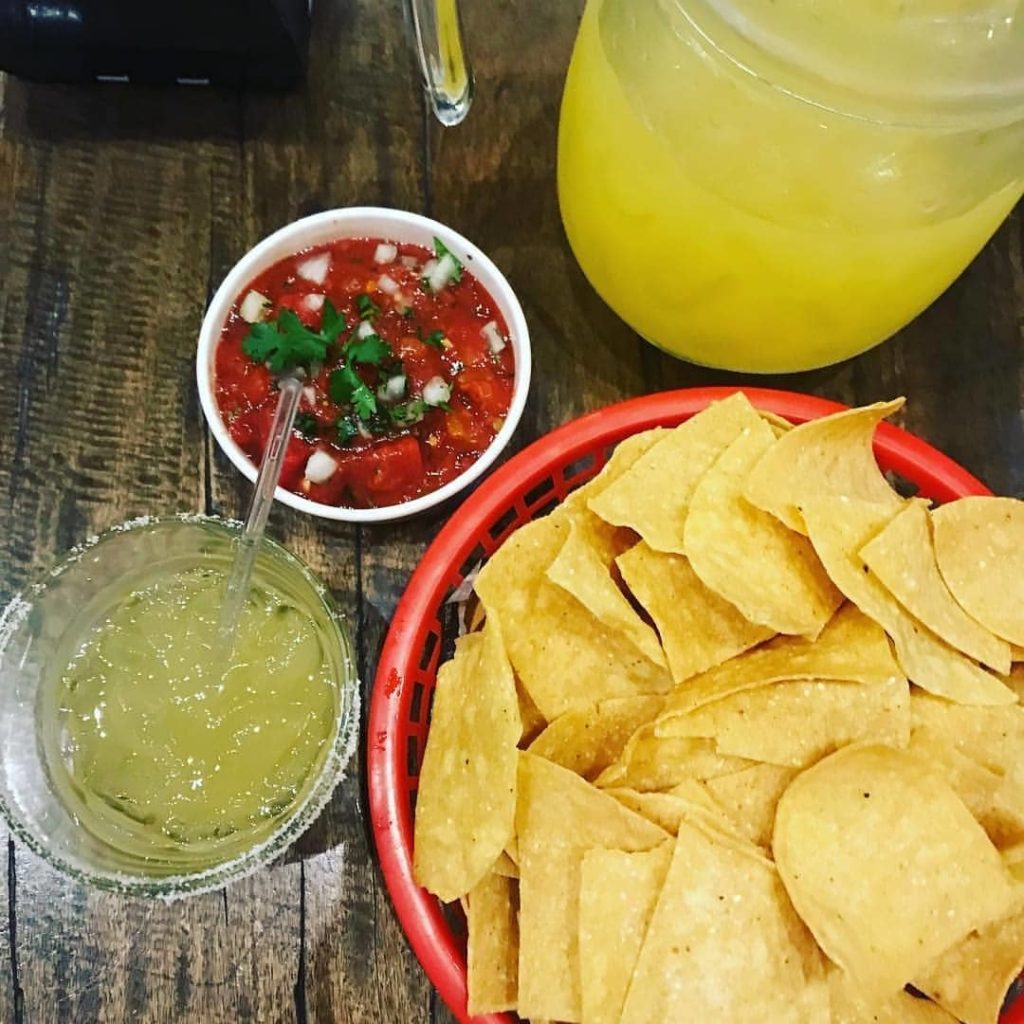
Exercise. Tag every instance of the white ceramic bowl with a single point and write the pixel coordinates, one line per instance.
(363, 222)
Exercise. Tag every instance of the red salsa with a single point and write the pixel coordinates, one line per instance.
(406, 360)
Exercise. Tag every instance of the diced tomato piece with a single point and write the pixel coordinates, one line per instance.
(484, 389)
(243, 430)
(296, 301)
(465, 432)
(420, 361)
(255, 383)
(332, 490)
(469, 343)
(293, 469)
(388, 468)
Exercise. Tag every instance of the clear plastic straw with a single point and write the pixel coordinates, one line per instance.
(256, 521)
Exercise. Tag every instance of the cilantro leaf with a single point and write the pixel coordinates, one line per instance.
(442, 250)
(434, 339)
(346, 429)
(306, 424)
(370, 350)
(287, 342)
(407, 413)
(367, 308)
(346, 387)
(333, 322)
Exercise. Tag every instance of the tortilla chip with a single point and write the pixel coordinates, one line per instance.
(698, 628)
(618, 892)
(902, 556)
(587, 740)
(979, 544)
(583, 567)
(828, 456)
(885, 865)
(563, 656)
(971, 979)
(750, 798)
(533, 721)
(679, 804)
(651, 763)
(850, 648)
(795, 724)
(652, 496)
(492, 953)
(724, 943)
(626, 453)
(747, 556)
(839, 528)
(848, 1007)
(996, 801)
(779, 424)
(505, 866)
(993, 736)
(1013, 858)
(465, 808)
(560, 817)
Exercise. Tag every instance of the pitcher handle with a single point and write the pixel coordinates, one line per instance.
(447, 76)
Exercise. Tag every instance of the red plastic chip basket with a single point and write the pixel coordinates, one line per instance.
(528, 486)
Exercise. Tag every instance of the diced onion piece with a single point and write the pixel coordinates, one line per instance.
(365, 329)
(385, 253)
(254, 307)
(314, 302)
(409, 261)
(320, 467)
(364, 433)
(495, 342)
(436, 391)
(442, 273)
(393, 389)
(388, 285)
(309, 394)
(315, 268)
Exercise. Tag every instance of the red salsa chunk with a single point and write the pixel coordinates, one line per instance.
(407, 366)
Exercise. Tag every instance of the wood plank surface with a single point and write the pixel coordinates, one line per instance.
(122, 210)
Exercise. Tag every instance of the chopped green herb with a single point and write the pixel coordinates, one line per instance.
(346, 387)
(407, 413)
(370, 350)
(368, 309)
(306, 424)
(346, 429)
(287, 342)
(434, 338)
(333, 323)
(442, 250)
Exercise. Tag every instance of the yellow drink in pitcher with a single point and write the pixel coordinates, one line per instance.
(736, 223)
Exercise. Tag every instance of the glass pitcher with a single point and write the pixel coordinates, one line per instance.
(772, 186)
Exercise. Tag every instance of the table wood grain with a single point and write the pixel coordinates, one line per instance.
(122, 210)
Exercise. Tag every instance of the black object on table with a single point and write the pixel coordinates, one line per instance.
(255, 43)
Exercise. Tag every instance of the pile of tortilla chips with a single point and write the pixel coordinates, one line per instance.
(739, 740)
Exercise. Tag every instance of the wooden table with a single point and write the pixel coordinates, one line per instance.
(122, 210)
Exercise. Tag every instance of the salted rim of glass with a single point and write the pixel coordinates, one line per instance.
(172, 887)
